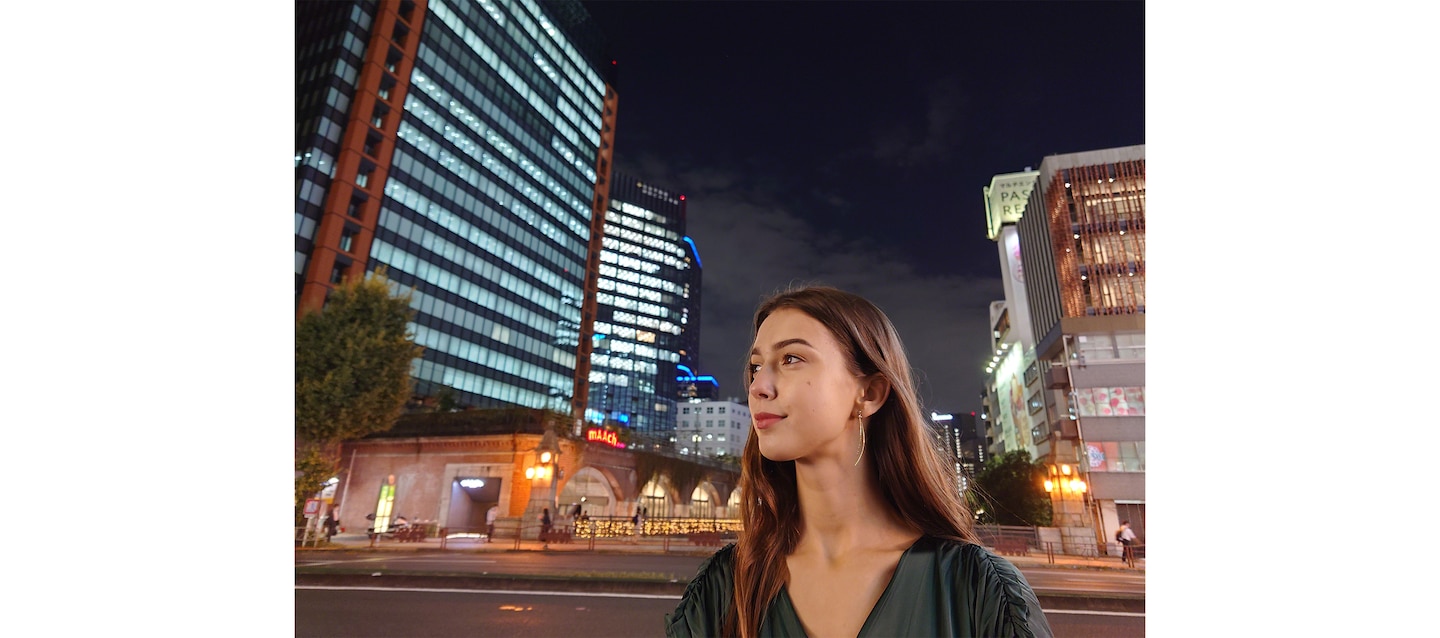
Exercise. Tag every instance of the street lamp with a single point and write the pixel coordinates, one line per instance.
(543, 469)
(1064, 479)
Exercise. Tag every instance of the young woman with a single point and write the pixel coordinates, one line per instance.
(853, 524)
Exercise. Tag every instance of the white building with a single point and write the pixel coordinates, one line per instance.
(715, 428)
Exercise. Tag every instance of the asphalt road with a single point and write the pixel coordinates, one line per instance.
(402, 613)
(654, 569)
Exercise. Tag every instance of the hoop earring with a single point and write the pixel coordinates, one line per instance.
(859, 418)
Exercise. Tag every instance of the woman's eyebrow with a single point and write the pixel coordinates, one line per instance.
(781, 344)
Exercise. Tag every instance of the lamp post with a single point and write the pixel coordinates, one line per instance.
(1064, 484)
(545, 459)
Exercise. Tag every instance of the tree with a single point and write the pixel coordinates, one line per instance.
(1010, 490)
(446, 401)
(352, 373)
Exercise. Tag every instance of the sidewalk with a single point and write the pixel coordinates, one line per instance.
(654, 545)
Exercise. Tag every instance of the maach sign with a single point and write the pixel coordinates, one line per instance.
(597, 435)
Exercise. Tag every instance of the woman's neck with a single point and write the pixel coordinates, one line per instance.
(842, 509)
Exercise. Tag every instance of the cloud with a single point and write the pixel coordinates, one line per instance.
(924, 137)
(752, 245)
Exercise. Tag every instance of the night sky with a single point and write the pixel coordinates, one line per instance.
(847, 143)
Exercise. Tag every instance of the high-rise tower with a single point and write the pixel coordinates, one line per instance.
(643, 309)
(1012, 392)
(465, 145)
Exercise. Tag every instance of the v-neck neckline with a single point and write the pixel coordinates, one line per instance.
(879, 602)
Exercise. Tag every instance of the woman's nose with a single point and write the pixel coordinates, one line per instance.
(761, 386)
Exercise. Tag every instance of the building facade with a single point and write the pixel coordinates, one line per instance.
(962, 438)
(1083, 236)
(642, 310)
(703, 387)
(464, 146)
(1013, 405)
(690, 311)
(714, 428)
(452, 470)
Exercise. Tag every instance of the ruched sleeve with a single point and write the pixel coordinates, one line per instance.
(1000, 600)
(706, 599)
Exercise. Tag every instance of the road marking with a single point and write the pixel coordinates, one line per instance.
(342, 562)
(434, 590)
(1083, 590)
(443, 560)
(491, 591)
(1095, 613)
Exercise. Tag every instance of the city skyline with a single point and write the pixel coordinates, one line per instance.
(203, 116)
(848, 144)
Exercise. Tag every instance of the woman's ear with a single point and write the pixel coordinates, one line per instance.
(875, 390)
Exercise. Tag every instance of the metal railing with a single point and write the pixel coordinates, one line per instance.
(1053, 549)
(312, 537)
(689, 534)
(601, 532)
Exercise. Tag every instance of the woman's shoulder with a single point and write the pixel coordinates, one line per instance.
(706, 599)
(967, 552)
(993, 584)
(973, 562)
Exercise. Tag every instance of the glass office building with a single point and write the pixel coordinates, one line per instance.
(647, 300)
(463, 145)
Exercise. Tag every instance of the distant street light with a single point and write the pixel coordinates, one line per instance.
(543, 470)
(1066, 486)
(1062, 480)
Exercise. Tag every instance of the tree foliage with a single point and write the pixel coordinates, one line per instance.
(1010, 489)
(313, 466)
(352, 370)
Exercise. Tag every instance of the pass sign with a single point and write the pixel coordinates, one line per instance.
(312, 507)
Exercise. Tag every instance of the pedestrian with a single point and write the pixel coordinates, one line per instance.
(847, 496)
(545, 521)
(490, 522)
(1126, 536)
(332, 522)
(638, 520)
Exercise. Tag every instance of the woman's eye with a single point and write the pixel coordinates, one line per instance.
(754, 368)
(790, 358)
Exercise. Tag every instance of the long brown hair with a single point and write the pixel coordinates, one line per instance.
(915, 480)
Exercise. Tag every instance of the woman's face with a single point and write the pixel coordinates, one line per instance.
(802, 393)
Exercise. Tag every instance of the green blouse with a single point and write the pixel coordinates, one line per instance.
(939, 588)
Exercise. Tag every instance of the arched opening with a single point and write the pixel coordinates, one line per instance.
(732, 507)
(655, 498)
(589, 489)
(702, 501)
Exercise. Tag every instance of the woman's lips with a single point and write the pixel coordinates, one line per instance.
(765, 420)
